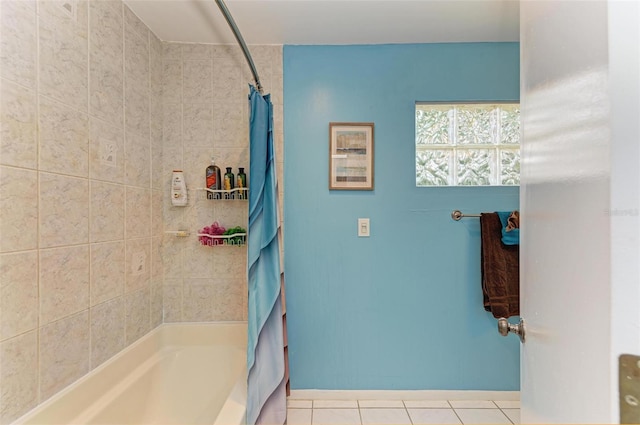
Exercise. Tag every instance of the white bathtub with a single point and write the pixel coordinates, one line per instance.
(177, 374)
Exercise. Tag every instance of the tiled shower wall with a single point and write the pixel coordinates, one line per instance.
(80, 192)
(89, 98)
(205, 106)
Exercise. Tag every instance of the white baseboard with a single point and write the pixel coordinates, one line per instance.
(403, 395)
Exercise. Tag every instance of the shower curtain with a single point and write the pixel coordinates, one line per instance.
(266, 385)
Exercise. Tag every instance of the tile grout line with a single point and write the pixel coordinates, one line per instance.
(454, 412)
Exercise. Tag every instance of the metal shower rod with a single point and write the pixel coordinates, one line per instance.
(236, 33)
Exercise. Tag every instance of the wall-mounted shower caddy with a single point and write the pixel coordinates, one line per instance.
(235, 239)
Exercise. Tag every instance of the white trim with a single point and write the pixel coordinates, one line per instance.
(403, 395)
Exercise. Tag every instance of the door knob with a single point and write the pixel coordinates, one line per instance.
(504, 327)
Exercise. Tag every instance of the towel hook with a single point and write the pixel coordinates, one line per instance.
(504, 327)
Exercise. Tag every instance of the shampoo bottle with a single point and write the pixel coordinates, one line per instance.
(213, 180)
(242, 184)
(178, 189)
(229, 183)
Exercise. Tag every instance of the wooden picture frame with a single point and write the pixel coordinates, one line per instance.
(351, 156)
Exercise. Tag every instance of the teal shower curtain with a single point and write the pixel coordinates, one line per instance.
(266, 386)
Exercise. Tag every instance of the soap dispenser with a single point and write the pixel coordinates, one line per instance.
(178, 189)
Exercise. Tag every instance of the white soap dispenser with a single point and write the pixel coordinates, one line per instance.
(178, 189)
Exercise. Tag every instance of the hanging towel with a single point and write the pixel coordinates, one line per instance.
(500, 269)
(266, 385)
(510, 221)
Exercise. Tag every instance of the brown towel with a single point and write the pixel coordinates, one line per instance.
(513, 222)
(500, 269)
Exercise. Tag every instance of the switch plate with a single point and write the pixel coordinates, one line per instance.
(363, 228)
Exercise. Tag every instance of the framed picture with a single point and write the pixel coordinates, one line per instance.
(351, 156)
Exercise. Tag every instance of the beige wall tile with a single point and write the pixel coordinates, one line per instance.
(201, 214)
(156, 46)
(136, 56)
(137, 164)
(197, 304)
(173, 217)
(156, 304)
(197, 51)
(137, 314)
(107, 330)
(106, 60)
(228, 84)
(172, 50)
(231, 127)
(107, 211)
(157, 269)
(197, 81)
(136, 107)
(63, 53)
(198, 260)
(18, 145)
(18, 293)
(195, 162)
(229, 299)
(138, 215)
(172, 128)
(172, 300)
(232, 213)
(138, 264)
(230, 262)
(63, 140)
(60, 14)
(64, 282)
(156, 213)
(106, 83)
(64, 353)
(18, 209)
(197, 124)
(64, 210)
(172, 81)
(106, 151)
(18, 375)
(172, 256)
(107, 271)
(18, 41)
(135, 23)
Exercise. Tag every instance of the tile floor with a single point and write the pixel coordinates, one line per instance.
(399, 412)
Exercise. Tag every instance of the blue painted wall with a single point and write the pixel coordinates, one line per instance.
(403, 308)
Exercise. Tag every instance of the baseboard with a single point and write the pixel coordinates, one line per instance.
(403, 395)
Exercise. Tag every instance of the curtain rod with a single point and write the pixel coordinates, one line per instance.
(236, 33)
(457, 215)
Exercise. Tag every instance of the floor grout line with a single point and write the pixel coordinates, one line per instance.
(404, 407)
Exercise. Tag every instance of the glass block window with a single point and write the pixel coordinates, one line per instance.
(470, 144)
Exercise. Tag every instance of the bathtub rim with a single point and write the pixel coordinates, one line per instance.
(152, 342)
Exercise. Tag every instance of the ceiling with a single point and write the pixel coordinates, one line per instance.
(332, 21)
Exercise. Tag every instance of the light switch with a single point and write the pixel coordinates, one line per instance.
(363, 227)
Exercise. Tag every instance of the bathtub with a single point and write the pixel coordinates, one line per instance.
(177, 374)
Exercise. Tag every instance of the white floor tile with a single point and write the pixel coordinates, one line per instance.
(508, 404)
(482, 416)
(335, 404)
(381, 403)
(336, 417)
(300, 404)
(427, 404)
(299, 416)
(385, 416)
(472, 404)
(513, 414)
(433, 416)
